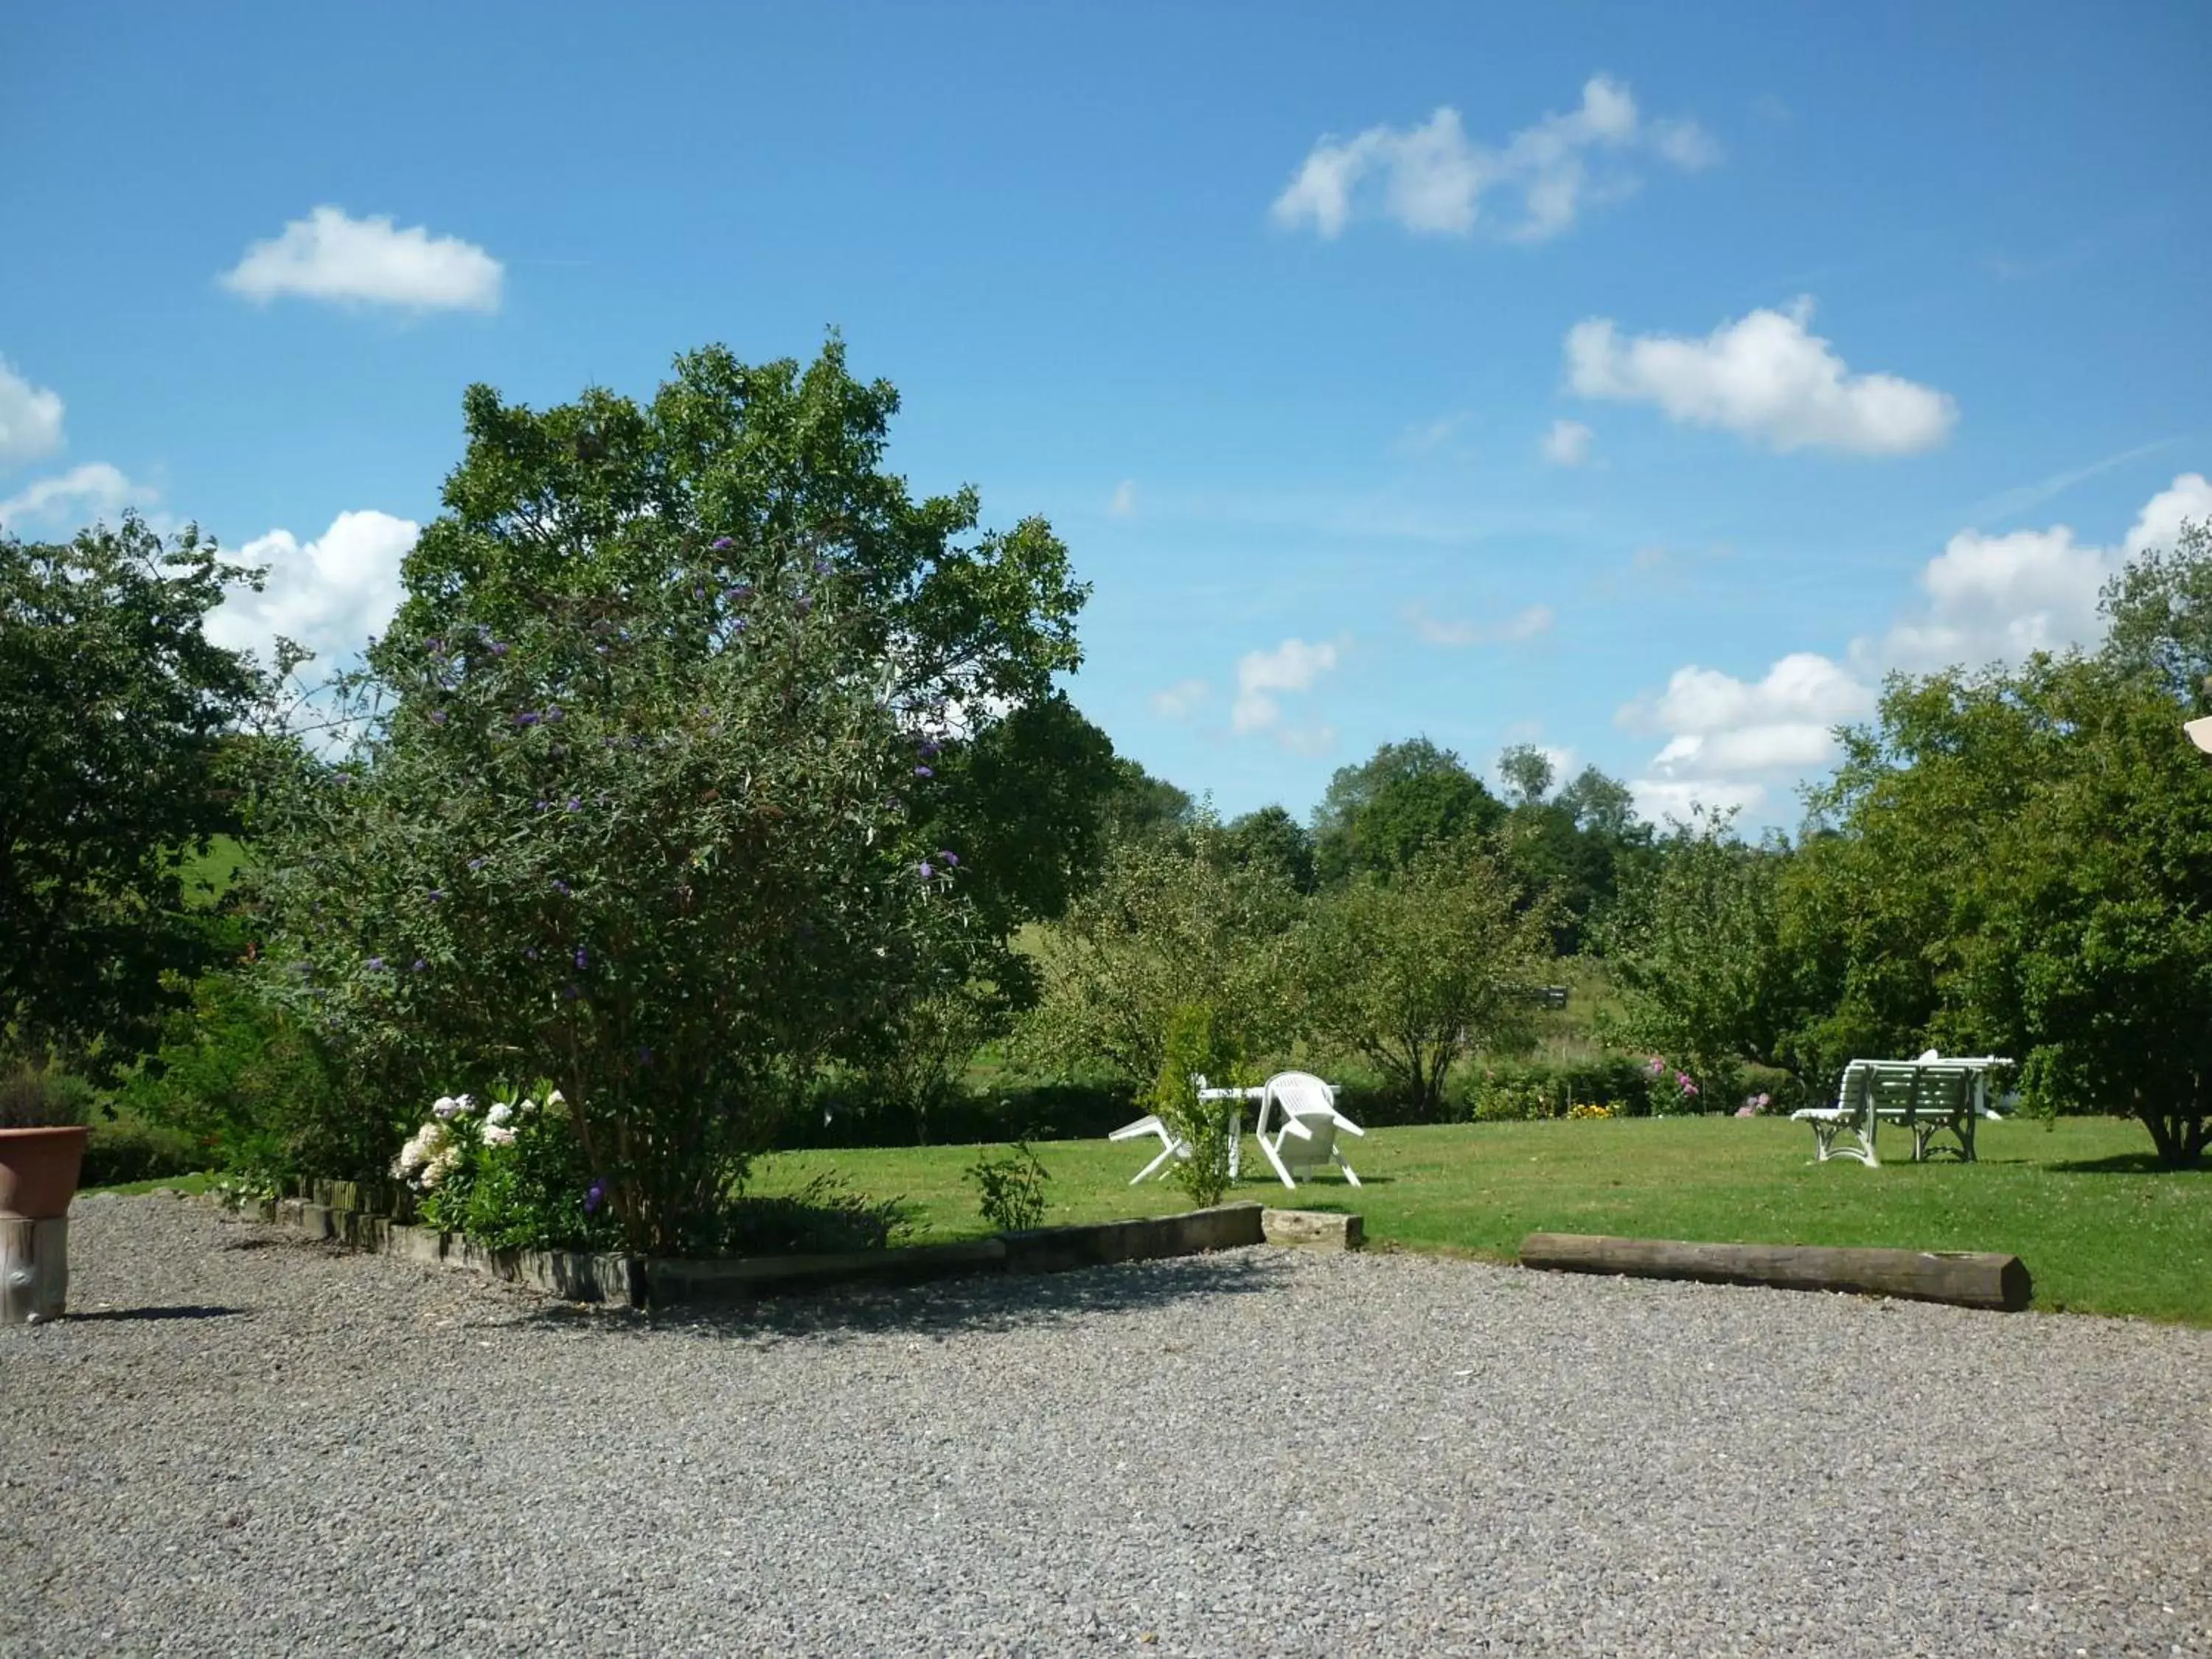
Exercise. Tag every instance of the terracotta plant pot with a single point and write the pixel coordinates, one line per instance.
(38, 1169)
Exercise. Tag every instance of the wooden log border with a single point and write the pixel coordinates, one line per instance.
(1966, 1278)
(618, 1280)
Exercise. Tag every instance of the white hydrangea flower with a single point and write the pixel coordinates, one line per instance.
(556, 1098)
(501, 1111)
(497, 1134)
(445, 1106)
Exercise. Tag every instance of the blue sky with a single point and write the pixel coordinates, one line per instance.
(1642, 382)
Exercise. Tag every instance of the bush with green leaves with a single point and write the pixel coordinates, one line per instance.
(251, 1085)
(1010, 1188)
(1412, 969)
(1199, 1046)
(1173, 923)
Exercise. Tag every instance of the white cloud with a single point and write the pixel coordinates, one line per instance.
(1568, 443)
(329, 256)
(1181, 700)
(329, 594)
(1125, 500)
(1293, 665)
(1765, 377)
(1432, 177)
(1996, 598)
(1529, 624)
(30, 419)
(2158, 524)
(1983, 598)
(78, 496)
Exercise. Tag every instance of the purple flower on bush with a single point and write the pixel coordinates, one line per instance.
(420, 966)
(376, 964)
(721, 544)
(477, 863)
(553, 715)
(931, 748)
(738, 591)
(583, 957)
(437, 717)
(437, 894)
(802, 604)
(595, 1195)
(1657, 1065)
(561, 887)
(927, 871)
(437, 646)
(950, 860)
(739, 626)
(823, 567)
(527, 717)
(923, 772)
(575, 804)
(499, 647)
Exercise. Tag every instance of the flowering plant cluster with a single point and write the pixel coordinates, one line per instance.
(1755, 1105)
(1674, 1091)
(1590, 1109)
(507, 1172)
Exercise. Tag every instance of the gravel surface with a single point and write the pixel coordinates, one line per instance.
(240, 1443)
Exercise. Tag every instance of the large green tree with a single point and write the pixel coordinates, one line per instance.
(115, 714)
(774, 474)
(2088, 952)
(1379, 815)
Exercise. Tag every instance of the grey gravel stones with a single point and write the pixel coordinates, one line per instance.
(240, 1443)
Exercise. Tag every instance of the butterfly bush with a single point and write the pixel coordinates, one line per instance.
(700, 881)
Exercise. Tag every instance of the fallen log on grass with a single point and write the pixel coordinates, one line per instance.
(1966, 1278)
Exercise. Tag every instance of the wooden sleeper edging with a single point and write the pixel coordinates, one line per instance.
(626, 1281)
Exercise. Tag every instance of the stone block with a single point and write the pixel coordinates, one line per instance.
(1314, 1229)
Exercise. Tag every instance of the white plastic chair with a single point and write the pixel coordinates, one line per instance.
(1171, 1145)
(1305, 1137)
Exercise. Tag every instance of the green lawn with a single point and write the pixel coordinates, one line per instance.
(2099, 1230)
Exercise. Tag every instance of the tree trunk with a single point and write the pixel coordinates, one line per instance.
(33, 1269)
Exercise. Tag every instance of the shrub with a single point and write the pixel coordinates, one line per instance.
(1009, 1190)
(1411, 969)
(43, 1097)
(1197, 1046)
(1508, 1089)
(256, 1090)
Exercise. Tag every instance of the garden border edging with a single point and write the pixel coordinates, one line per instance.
(620, 1280)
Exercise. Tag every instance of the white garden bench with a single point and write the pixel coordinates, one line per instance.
(1933, 1096)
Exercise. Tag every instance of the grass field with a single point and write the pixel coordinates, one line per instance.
(2100, 1230)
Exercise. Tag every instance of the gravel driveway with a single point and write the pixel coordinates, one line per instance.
(239, 1443)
